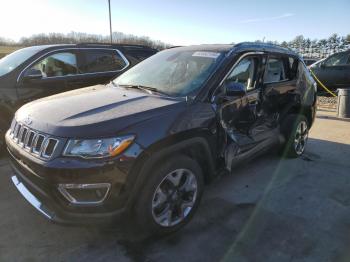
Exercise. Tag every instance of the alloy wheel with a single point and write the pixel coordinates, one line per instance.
(174, 197)
(301, 136)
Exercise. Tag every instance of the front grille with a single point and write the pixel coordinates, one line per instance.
(36, 143)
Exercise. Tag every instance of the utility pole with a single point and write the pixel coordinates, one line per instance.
(110, 21)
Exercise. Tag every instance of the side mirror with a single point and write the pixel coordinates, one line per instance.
(234, 89)
(32, 74)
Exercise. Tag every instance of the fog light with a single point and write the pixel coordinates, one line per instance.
(85, 194)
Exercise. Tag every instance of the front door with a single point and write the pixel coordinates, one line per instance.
(48, 76)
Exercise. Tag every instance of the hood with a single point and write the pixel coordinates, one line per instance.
(94, 111)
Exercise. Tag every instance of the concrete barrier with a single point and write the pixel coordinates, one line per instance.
(343, 108)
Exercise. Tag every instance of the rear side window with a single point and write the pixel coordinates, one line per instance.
(102, 60)
(275, 71)
(58, 64)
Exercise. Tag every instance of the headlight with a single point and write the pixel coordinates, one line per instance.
(98, 148)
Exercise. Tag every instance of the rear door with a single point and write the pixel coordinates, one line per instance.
(279, 85)
(48, 75)
(98, 66)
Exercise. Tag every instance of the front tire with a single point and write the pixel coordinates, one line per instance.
(296, 132)
(170, 196)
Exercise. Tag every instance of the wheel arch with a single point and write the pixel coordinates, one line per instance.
(196, 147)
(307, 111)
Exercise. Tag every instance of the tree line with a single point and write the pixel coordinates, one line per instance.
(78, 37)
(316, 48)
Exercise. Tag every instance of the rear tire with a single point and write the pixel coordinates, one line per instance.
(295, 129)
(170, 196)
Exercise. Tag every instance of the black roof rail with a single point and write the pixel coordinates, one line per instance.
(175, 46)
(263, 47)
(92, 43)
(115, 44)
(137, 46)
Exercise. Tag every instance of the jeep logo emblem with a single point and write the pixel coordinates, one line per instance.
(28, 120)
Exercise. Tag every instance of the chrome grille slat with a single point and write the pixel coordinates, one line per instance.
(37, 144)
(17, 131)
(29, 140)
(13, 124)
(23, 135)
(49, 147)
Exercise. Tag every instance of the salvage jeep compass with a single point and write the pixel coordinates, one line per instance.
(146, 143)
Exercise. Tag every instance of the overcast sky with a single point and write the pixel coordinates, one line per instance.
(179, 22)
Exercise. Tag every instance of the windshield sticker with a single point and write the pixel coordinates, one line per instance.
(206, 54)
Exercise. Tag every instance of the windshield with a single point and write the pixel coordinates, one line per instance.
(13, 60)
(173, 72)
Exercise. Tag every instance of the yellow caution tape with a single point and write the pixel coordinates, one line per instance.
(322, 85)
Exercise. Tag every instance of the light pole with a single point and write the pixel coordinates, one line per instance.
(110, 21)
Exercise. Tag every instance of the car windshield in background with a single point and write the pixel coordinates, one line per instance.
(173, 72)
(11, 61)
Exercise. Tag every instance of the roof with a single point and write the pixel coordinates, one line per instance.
(241, 47)
(96, 45)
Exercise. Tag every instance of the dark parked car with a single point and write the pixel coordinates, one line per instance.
(334, 71)
(40, 71)
(309, 61)
(146, 144)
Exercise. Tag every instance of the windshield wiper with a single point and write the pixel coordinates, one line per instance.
(148, 89)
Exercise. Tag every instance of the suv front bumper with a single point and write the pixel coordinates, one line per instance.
(39, 183)
(47, 206)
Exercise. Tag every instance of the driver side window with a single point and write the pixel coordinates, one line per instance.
(59, 64)
(245, 73)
